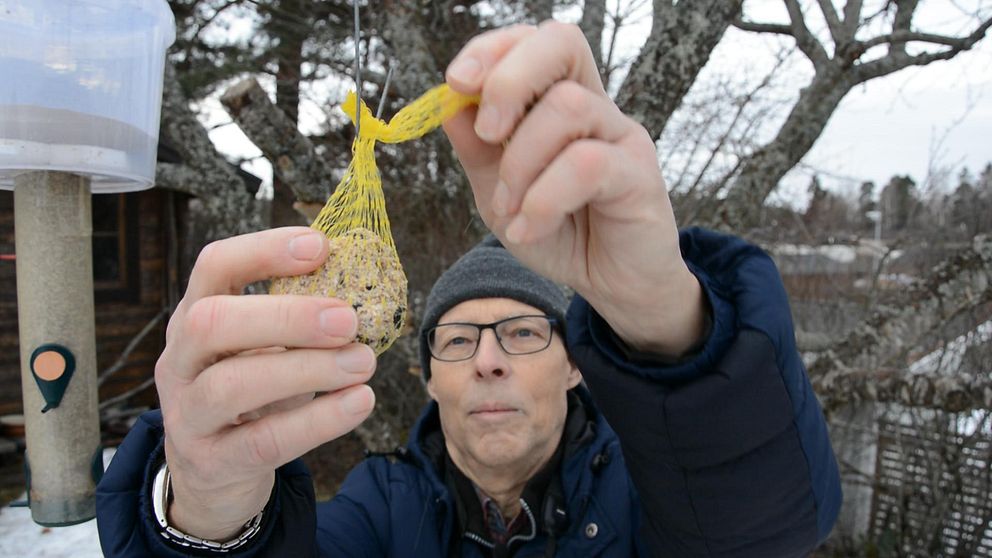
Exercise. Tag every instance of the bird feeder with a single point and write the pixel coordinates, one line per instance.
(80, 100)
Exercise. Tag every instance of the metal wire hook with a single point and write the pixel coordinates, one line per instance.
(358, 75)
(358, 79)
(385, 91)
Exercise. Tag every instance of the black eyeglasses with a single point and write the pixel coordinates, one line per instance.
(519, 335)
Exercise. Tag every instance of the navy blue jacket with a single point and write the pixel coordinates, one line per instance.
(724, 454)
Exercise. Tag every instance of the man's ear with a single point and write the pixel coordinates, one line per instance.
(574, 374)
(430, 388)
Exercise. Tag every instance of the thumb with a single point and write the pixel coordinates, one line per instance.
(479, 159)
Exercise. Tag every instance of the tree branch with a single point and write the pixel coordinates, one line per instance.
(122, 360)
(881, 342)
(758, 27)
(804, 37)
(910, 36)
(833, 21)
(178, 178)
(852, 19)
(206, 23)
(127, 394)
(742, 106)
(833, 79)
(897, 59)
(224, 203)
(952, 392)
(619, 18)
(905, 9)
(292, 154)
(763, 168)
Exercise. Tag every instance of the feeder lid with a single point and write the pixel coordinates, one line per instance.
(82, 89)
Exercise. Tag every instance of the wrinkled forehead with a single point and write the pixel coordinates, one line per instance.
(487, 310)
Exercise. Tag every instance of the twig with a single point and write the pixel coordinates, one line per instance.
(122, 413)
(127, 394)
(122, 360)
(385, 91)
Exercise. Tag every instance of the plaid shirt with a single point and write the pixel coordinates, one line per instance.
(499, 531)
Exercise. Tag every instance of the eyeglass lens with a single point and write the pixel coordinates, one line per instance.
(517, 336)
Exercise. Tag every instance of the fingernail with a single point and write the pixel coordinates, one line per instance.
(501, 199)
(355, 359)
(487, 124)
(356, 402)
(465, 70)
(517, 229)
(339, 322)
(306, 246)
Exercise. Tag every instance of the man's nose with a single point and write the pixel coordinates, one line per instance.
(490, 360)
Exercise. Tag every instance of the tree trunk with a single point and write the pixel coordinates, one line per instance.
(294, 160)
(592, 23)
(418, 59)
(538, 10)
(682, 38)
(289, 58)
(762, 171)
(223, 206)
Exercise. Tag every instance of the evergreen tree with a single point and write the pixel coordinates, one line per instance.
(899, 205)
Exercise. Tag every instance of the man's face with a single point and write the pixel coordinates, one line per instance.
(501, 410)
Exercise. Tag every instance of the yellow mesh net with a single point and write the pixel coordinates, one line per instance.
(357, 201)
(363, 267)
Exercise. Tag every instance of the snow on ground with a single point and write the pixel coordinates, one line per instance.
(22, 537)
(19, 536)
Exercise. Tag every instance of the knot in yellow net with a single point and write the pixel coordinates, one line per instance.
(363, 267)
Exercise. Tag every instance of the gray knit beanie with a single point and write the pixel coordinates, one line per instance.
(488, 270)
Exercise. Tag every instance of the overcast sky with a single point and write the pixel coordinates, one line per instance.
(940, 114)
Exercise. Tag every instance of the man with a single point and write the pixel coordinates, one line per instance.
(668, 414)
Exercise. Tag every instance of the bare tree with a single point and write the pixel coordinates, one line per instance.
(848, 64)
